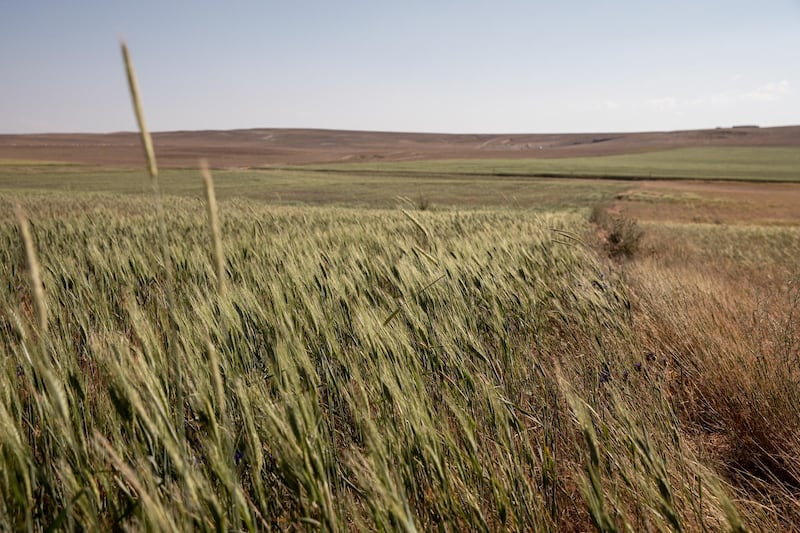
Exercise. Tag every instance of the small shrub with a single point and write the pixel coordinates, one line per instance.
(423, 203)
(624, 237)
(622, 234)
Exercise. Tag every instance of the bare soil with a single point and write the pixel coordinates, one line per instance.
(260, 147)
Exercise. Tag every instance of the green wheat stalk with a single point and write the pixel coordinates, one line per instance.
(213, 223)
(147, 142)
(34, 275)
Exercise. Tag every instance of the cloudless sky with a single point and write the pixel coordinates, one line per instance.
(404, 65)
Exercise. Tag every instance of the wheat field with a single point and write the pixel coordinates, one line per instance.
(376, 369)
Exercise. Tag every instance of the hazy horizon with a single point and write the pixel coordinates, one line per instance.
(403, 132)
(449, 67)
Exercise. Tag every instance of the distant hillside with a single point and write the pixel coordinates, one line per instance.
(259, 147)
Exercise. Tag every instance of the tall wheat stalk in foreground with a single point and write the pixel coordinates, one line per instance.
(147, 143)
(152, 167)
(213, 222)
(33, 269)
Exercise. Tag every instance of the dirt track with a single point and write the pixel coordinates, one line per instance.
(257, 147)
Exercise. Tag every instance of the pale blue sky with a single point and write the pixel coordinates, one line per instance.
(407, 65)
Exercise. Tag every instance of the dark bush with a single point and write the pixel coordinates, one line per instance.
(622, 235)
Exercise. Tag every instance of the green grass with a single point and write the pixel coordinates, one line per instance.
(4, 162)
(298, 186)
(733, 163)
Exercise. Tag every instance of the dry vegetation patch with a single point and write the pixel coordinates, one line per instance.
(712, 202)
(720, 305)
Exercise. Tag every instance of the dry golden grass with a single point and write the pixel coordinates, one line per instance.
(717, 306)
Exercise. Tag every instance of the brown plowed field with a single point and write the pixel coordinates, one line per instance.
(259, 147)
